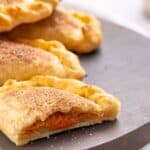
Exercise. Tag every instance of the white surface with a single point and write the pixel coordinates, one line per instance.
(128, 13)
(146, 147)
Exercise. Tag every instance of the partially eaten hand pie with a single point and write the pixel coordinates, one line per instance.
(21, 62)
(45, 105)
(78, 31)
(16, 12)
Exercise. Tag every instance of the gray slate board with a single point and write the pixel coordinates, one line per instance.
(121, 67)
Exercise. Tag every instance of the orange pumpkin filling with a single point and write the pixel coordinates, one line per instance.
(55, 122)
(59, 121)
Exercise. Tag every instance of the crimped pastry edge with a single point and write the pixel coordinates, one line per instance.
(39, 9)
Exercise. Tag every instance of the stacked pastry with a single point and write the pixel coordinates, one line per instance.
(40, 93)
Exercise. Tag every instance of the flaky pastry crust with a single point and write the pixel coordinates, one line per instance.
(93, 93)
(16, 12)
(78, 31)
(46, 105)
(69, 60)
(21, 62)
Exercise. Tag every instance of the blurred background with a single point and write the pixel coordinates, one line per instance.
(129, 13)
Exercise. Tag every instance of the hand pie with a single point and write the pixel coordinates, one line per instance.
(15, 12)
(69, 60)
(21, 62)
(78, 31)
(47, 105)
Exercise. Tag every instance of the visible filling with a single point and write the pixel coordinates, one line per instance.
(59, 121)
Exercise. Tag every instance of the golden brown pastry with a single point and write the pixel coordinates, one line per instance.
(78, 31)
(15, 12)
(69, 60)
(21, 62)
(47, 105)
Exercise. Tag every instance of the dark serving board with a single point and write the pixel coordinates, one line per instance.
(121, 67)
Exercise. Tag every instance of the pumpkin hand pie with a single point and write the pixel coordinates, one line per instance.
(78, 31)
(21, 62)
(46, 105)
(16, 12)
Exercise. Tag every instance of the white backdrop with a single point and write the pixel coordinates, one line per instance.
(126, 12)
